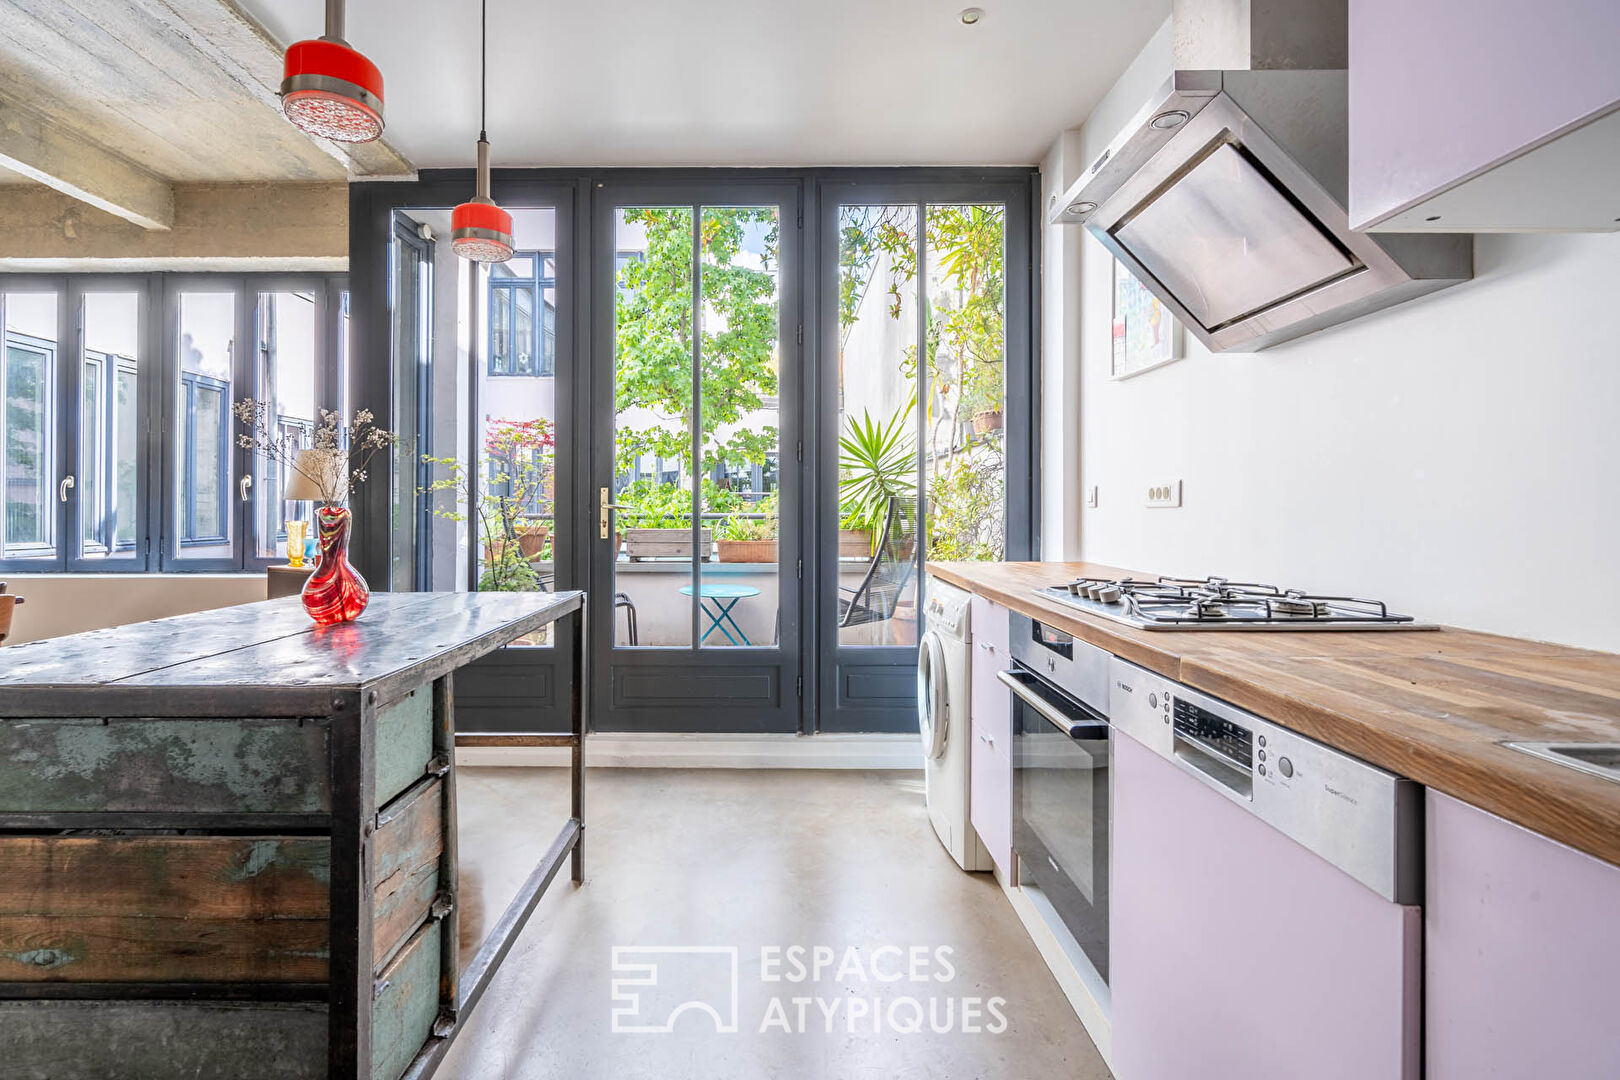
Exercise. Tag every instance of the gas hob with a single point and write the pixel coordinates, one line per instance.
(1218, 604)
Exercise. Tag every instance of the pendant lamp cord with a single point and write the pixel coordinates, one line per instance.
(483, 71)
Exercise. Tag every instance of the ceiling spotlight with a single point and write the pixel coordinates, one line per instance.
(1167, 120)
(329, 89)
(1082, 208)
(971, 15)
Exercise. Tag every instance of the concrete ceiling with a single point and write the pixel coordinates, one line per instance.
(737, 82)
(114, 102)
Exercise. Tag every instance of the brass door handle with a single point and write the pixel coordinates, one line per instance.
(606, 507)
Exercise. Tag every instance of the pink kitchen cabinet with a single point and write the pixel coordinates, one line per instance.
(1521, 952)
(1477, 115)
(990, 783)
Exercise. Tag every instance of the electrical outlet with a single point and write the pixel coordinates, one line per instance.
(1091, 497)
(1165, 495)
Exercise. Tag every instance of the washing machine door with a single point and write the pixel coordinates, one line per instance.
(931, 689)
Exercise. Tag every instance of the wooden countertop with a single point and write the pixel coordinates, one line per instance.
(1430, 705)
(194, 664)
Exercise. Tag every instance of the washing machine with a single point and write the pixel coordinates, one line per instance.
(944, 666)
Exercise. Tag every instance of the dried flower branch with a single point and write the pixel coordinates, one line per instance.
(345, 453)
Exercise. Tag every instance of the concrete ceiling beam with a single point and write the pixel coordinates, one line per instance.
(40, 150)
(227, 36)
(216, 227)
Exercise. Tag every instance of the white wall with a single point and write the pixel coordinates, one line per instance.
(1454, 456)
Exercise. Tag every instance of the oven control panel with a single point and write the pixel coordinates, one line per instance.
(1362, 819)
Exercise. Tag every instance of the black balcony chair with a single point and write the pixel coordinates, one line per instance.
(887, 575)
(620, 600)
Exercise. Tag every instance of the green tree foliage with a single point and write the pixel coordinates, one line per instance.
(964, 342)
(654, 334)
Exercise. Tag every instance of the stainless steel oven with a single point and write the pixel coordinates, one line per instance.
(1060, 759)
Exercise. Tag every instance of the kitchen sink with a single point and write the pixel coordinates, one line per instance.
(1599, 759)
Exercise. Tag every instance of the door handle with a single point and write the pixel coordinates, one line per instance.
(1091, 730)
(243, 486)
(63, 488)
(607, 506)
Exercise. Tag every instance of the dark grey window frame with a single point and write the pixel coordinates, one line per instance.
(157, 399)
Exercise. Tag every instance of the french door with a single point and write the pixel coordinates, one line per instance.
(925, 425)
(695, 497)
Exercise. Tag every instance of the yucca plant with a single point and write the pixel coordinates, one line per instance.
(877, 461)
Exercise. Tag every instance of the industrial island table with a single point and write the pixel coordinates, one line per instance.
(228, 841)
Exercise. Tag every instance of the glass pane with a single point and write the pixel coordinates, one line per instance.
(92, 452)
(108, 469)
(516, 471)
(964, 463)
(126, 449)
(29, 424)
(877, 425)
(652, 443)
(500, 331)
(204, 475)
(410, 305)
(523, 339)
(286, 378)
(740, 431)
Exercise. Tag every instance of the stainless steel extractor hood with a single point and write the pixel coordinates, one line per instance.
(1226, 197)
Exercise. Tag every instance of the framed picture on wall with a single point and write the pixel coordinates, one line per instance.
(1146, 335)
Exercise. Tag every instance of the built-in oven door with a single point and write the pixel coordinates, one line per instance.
(1060, 757)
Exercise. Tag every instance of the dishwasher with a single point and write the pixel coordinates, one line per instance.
(1266, 918)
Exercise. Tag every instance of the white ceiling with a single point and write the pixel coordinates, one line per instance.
(737, 82)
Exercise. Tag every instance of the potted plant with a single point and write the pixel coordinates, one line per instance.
(504, 499)
(746, 538)
(877, 461)
(657, 522)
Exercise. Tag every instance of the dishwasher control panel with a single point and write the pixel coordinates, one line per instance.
(1364, 820)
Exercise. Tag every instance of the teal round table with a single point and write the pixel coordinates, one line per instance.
(717, 599)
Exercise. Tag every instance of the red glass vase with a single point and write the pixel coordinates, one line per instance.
(335, 592)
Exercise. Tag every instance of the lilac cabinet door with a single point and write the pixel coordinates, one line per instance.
(1237, 954)
(1521, 952)
(1442, 91)
(990, 781)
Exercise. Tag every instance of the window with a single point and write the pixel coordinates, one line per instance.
(204, 456)
(523, 315)
(154, 365)
(27, 426)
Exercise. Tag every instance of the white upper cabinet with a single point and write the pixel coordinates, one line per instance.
(1484, 115)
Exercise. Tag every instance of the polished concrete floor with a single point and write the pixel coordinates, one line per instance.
(704, 880)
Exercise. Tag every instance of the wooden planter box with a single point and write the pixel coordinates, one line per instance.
(854, 543)
(748, 551)
(665, 544)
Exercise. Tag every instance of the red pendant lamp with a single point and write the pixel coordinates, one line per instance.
(329, 89)
(480, 230)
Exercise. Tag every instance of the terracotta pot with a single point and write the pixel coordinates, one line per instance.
(531, 540)
(748, 551)
(8, 603)
(987, 421)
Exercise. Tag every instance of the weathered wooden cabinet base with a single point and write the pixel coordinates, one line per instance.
(232, 861)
